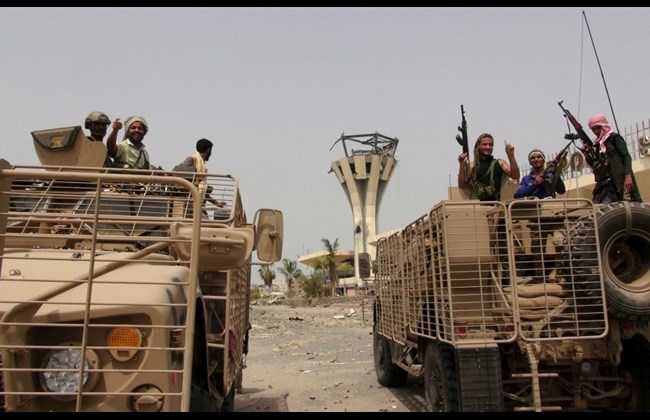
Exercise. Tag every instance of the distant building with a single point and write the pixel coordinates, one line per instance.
(346, 279)
(364, 174)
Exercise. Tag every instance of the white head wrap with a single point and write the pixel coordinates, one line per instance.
(131, 120)
(536, 152)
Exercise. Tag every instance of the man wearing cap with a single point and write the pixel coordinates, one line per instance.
(130, 153)
(537, 182)
(97, 122)
(614, 179)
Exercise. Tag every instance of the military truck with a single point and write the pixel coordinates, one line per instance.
(123, 290)
(527, 305)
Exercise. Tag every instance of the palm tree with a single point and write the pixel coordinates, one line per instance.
(330, 262)
(291, 272)
(267, 273)
(321, 264)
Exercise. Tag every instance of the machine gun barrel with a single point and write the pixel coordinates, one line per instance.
(592, 157)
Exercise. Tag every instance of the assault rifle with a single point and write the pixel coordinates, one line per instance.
(462, 139)
(556, 166)
(592, 156)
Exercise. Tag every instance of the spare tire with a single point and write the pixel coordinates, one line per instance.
(624, 237)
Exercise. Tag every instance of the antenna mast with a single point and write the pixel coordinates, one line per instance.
(601, 71)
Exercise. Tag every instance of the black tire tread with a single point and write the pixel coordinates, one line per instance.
(635, 360)
(201, 401)
(388, 373)
(439, 361)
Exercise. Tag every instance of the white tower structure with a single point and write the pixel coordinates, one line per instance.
(364, 173)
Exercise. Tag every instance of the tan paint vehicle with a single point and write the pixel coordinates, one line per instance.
(123, 291)
(531, 305)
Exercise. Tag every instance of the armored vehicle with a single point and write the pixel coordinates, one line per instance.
(123, 291)
(526, 305)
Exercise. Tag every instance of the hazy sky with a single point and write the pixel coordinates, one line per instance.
(274, 88)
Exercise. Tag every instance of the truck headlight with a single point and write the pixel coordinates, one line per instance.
(62, 367)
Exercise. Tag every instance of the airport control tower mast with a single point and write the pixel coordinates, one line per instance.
(364, 173)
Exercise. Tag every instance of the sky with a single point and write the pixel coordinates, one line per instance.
(275, 88)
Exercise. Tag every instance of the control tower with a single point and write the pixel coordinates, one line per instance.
(364, 173)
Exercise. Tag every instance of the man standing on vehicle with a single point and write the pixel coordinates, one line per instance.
(97, 123)
(542, 182)
(197, 162)
(485, 179)
(130, 153)
(535, 183)
(485, 173)
(615, 180)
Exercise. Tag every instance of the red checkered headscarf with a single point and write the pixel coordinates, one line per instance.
(599, 120)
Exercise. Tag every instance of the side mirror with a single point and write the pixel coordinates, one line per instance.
(365, 263)
(268, 234)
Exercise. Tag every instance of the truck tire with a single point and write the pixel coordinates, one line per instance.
(624, 234)
(440, 378)
(388, 373)
(228, 405)
(636, 364)
(201, 401)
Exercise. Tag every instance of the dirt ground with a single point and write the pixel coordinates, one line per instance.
(317, 358)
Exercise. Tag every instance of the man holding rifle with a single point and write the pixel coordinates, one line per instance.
(608, 158)
(616, 182)
(485, 173)
(539, 182)
(543, 181)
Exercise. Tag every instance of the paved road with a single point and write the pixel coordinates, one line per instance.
(316, 358)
